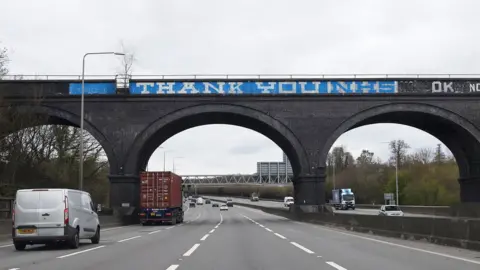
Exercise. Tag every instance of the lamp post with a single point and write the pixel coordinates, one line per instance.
(397, 200)
(82, 115)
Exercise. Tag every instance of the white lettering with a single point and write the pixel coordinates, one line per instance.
(439, 87)
(447, 87)
(342, 87)
(218, 89)
(266, 89)
(291, 88)
(165, 87)
(475, 87)
(304, 90)
(190, 86)
(366, 87)
(235, 88)
(436, 87)
(144, 87)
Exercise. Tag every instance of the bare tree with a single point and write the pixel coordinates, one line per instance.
(423, 156)
(3, 62)
(127, 64)
(398, 149)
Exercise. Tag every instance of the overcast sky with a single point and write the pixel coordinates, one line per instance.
(247, 37)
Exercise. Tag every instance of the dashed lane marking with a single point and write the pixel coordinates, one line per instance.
(128, 239)
(191, 250)
(79, 252)
(336, 266)
(302, 247)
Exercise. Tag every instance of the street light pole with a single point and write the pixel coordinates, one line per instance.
(396, 175)
(82, 115)
(396, 178)
(333, 174)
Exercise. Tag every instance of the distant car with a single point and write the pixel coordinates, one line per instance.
(192, 204)
(207, 201)
(287, 201)
(223, 207)
(254, 198)
(390, 210)
(214, 204)
(230, 203)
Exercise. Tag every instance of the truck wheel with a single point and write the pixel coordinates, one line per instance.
(74, 242)
(20, 246)
(96, 238)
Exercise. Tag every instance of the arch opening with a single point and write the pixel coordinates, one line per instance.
(170, 125)
(39, 148)
(458, 136)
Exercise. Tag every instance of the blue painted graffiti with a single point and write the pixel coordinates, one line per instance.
(92, 88)
(265, 88)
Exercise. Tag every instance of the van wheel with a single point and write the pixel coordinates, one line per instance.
(20, 246)
(96, 238)
(74, 243)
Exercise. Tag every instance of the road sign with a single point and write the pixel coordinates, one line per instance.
(388, 196)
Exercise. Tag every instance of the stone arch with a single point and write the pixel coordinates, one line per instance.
(56, 116)
(167, 126)
(456, 132)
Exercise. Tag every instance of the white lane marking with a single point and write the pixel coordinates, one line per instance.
(374, 240)
(123, 240)
(336, 266)
(261, 225)
(155, 232)
(221, 219)
(168, 228)
(268, 229)
(191, 250)
(113, 228)
(6, 246)
(402, 246)
(281, 236)
(204, 237)
(14, 269)
(216, 227)
(319, 256)
(172, 267)
(79, 252)
(212, 231)
(302, 248)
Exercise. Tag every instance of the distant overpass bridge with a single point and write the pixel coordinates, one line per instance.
(237, 179)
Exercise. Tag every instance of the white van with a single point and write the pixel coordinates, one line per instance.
(43, 216)
(200, 201)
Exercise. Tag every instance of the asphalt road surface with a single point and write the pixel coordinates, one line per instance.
(273, 204)
(239, 239)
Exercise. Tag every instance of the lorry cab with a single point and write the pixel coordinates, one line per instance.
(42, 216)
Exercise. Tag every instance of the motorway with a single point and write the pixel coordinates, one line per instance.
(239, 239)
(274, 204)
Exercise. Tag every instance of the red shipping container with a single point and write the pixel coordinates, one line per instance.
(160, 190)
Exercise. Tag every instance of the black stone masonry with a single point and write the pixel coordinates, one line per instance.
(130, 127)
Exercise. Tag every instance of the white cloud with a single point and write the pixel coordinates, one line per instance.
(250, 36)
